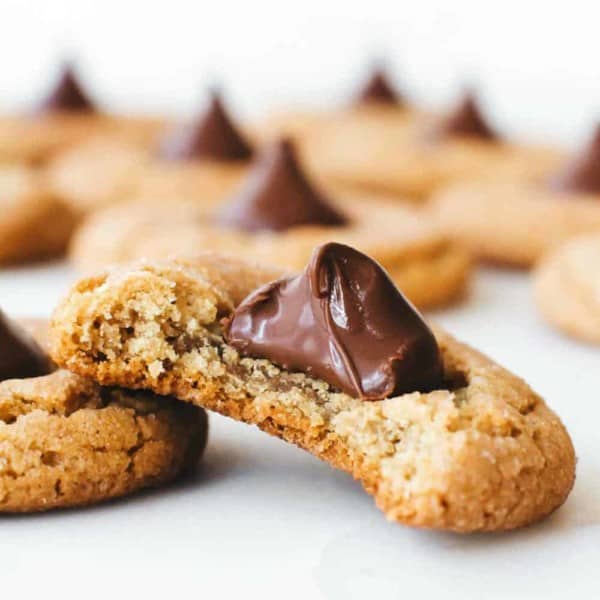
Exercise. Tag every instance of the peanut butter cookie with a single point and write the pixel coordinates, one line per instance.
(378, 101)
(277, 217)
(517, 223)
(200, 162)
(427, 153)
(65, 117)
(456, 443)
(34, 222)
(567, 287)
(65, 441)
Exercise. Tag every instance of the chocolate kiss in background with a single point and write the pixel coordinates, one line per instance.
(20, 356)
(277, 196)
(582, 174)
(67, 95)
(466, 120)
(213, 135)
(378, 90)
(344, 321)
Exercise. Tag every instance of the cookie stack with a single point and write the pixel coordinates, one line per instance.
(67, 441)
(274, 273)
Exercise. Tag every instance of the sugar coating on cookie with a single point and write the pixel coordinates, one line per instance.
(485, 453)
(567, 288)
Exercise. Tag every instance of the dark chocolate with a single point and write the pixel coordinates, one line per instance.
(20, 355)
(67, 95)
(582, 173)
(466, 120)
(277, 195)
(344, 321)
(213, 135)
(379, 90)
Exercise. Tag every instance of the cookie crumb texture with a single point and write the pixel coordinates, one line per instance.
(65, 441)
(485, 454)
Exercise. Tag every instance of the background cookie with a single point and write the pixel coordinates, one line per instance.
(430, 268)
(96, 173)
(278, 216)
(412, 159)
(567, 288)
(200, 161)
(512, 223)
(34, 222)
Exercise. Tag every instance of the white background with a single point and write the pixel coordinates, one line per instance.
(262, 519)
(534, 61)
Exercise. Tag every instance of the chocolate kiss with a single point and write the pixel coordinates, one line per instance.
(67, 95)
(212, 136)
(378, 90)
(20, 356)
(466, 120)
(582, 174)
(344, 321)
(277, 195)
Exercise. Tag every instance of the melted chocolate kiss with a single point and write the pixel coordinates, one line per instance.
(582, 174)
(344, 321)
(277, 195)
(213, 136)
(20, 356)
(67, 95)
(378, 90)
(466, 120)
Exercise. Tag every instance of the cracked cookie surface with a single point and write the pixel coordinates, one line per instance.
(484, 454)
(66, 441)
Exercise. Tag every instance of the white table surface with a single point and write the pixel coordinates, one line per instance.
(264, 519)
